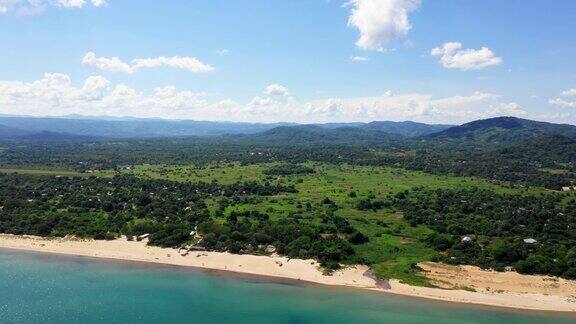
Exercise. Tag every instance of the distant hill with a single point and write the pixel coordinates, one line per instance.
(11, 132)
(53, 136)
(406, 128)
(131, 128)
(308, 134)
(502, 130)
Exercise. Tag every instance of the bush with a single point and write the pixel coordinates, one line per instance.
(358, 238)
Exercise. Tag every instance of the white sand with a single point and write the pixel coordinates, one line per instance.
(561, 299)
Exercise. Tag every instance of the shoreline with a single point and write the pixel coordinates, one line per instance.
(291, 270)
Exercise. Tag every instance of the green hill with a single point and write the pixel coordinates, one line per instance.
(502, 130)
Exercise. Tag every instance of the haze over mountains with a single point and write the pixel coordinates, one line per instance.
(19, 127)
(493, 130)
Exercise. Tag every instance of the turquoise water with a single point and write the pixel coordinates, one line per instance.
(41, 288)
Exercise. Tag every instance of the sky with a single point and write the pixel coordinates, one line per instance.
(305, 61)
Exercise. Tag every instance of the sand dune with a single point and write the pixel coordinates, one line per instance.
(492, 288)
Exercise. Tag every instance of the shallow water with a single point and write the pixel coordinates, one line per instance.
(43, 288)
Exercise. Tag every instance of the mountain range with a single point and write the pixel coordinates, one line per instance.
(70, 126)
(488, 131)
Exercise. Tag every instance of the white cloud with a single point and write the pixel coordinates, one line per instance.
(452, 56)
(187, 63)
(276, 90)
(359, 58)
(98, 3)
(71, 3)
(29, 7)
(94, 87)
(380, 21)
(55, 95)
(115, 64)
(569, 92)
(562, 103)
(413, 106)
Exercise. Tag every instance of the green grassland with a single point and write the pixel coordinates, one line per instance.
(394, 248)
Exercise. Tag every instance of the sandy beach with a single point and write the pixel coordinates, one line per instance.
(503, 289)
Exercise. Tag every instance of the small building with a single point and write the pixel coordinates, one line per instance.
(466, 239)
(530, 241)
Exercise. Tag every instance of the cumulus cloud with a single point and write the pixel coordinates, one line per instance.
(414, 106)
(115, 64)
(276, 90)
(452, 56)
(562, 103)
(380, 21)
(569, 92)
(558, 102)
(94, 87)
(55, 95)
(27, 7)
(71, 3)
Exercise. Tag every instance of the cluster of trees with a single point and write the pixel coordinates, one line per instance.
(372, 204)
(254, 232)
(104, 208)
(288, 169)
(531, 233)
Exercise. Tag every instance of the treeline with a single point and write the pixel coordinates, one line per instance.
(546, 161)
(110, 155)
(533, 234)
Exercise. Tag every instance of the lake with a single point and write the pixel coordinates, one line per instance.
(45, 288)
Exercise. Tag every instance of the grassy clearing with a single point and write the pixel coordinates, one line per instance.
(224, 174)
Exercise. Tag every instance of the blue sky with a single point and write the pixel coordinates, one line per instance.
(290, 60)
